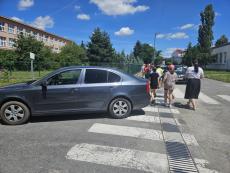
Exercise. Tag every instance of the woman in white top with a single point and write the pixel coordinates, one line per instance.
(193, 74)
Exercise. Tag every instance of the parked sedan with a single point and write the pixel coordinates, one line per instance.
(181, 70)
(74, 89)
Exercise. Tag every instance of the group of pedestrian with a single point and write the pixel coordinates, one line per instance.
(167, 79)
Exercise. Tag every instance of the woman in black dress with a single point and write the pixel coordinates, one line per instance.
(193, 74)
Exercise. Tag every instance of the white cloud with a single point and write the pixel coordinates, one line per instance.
(43, 22)
(83, 17)
(119, 7)
(170, 36)
(17, 19)
(217, 14)
(124, 31)
(168, 52)
(24, 4)
(187, 26)
(77, 7)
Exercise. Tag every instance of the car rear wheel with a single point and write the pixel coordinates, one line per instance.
(14, 113)
(120, 108)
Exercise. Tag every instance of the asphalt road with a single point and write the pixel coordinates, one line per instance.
(155, 139)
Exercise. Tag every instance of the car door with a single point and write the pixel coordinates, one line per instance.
(95, 89)
(62, 93)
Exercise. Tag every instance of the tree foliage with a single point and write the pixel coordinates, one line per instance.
(24, 45)
(221, 41)
(191, 53)
(72, 54)
(206, 34)
(143, 51)
(100, 49)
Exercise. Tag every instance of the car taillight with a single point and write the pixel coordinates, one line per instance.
(147, 87)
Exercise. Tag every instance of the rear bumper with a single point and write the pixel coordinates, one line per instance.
(140, 101)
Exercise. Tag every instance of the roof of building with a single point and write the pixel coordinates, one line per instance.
(27, 25)
(226, 44)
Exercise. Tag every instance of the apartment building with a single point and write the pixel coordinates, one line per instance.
(10, 29)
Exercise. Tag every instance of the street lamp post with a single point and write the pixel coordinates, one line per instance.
(154, 44)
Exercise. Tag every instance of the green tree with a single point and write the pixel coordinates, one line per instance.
(191, 53)
(137, 49)
(100, 49)
(206, 34)
(25, 45)
(72, 54)
(147, 53)
(221, 41)
(7, 59)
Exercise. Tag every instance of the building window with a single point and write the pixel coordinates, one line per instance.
(225, 57)
(19, 30)
(2, 26)
(221, 55)
(2, 42)
(11, 42)
(11, 29)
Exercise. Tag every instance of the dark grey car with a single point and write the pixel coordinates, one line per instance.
(74, 89)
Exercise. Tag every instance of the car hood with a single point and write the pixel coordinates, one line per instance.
(16, 86)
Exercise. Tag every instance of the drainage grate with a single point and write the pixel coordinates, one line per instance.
(180, 160)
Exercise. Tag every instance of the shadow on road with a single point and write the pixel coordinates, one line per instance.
(77, 116)
(180, 105)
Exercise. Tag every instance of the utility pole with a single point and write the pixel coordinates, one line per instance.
(154, 44)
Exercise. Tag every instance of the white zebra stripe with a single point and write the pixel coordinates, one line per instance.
(225, 97)
(119, 157)
(127, 131)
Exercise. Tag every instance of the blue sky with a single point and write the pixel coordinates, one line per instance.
(126, 21)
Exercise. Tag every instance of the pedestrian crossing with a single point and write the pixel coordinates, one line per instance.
(127, 157)
(179, 94)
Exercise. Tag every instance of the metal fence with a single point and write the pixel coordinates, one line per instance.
(14, 74)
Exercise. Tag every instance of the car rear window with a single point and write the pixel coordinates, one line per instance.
(113, 78)
(95, 76)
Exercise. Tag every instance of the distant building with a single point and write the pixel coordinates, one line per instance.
(177, 55)
(10, 29)
(222, 57)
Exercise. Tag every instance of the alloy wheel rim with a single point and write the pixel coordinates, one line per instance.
(14, 113)
(120, 108)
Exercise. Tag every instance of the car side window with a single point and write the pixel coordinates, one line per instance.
(95, 76)
(65, 78)
(113, 78)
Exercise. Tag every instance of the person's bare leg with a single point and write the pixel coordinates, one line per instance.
(170, 97)
(165, 96)
(193, 104)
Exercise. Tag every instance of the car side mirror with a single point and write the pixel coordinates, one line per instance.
(44, 84)
(44, 88)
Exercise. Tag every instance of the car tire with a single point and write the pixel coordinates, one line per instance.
(14, 113)
(120, 108)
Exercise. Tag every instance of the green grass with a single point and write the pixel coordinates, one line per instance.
(19, 76)
(223, 76)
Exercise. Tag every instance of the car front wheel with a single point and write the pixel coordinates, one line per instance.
(14, 113)
(120, 108)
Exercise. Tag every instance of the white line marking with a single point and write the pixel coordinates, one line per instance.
(175, 111)
(127, 131)
(178, 94)
(201, 164)
(150, 109)
(225, 97)
(207, 99)
(190, 139)
(144, 118)
(176, 137)
(119, 157)
(164, 110)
